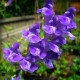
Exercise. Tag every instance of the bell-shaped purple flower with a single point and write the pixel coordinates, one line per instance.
(64, 20)
(25, 65)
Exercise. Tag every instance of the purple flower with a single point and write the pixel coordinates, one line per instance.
(14, 57)
(15, 47)
(34, 51)
(35, 28)
(25, 65)
(46, 49)
(6, 52)
(30, 36)
(72, 10)
(54, 47)
(49, 29)
(8, 3)
(64, 20)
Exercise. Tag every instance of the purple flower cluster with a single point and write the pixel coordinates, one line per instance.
(56, 28)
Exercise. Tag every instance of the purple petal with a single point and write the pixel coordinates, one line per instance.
(64, 20)
(72, 10)
(47, 12)
(15, 46)
(33, 67)
(71, 36)
(18, 78)
(25, 65)
(49, 6)
(33, 38)
(68, 14)
(39, 10)
(59, 40)
(14, 57)
(42, 55)
(34, 51)
(35, 28)
(49, 29)
(8, 3)
(25, 34)
(54, 47)
(72, 25)
(6, 52)
(49, 63)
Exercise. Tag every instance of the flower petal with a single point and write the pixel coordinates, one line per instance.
(54, 47)
(33, 67)
(33, 38)
(25, 65)
(8, 3)
(49, 63)
(14, 57)
(6, 52)
(71, 36)
(34, 51)
(47, 12)
(49, 29)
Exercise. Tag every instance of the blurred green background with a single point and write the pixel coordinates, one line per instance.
(67, 67)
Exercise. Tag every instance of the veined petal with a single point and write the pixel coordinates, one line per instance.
(49, 29)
